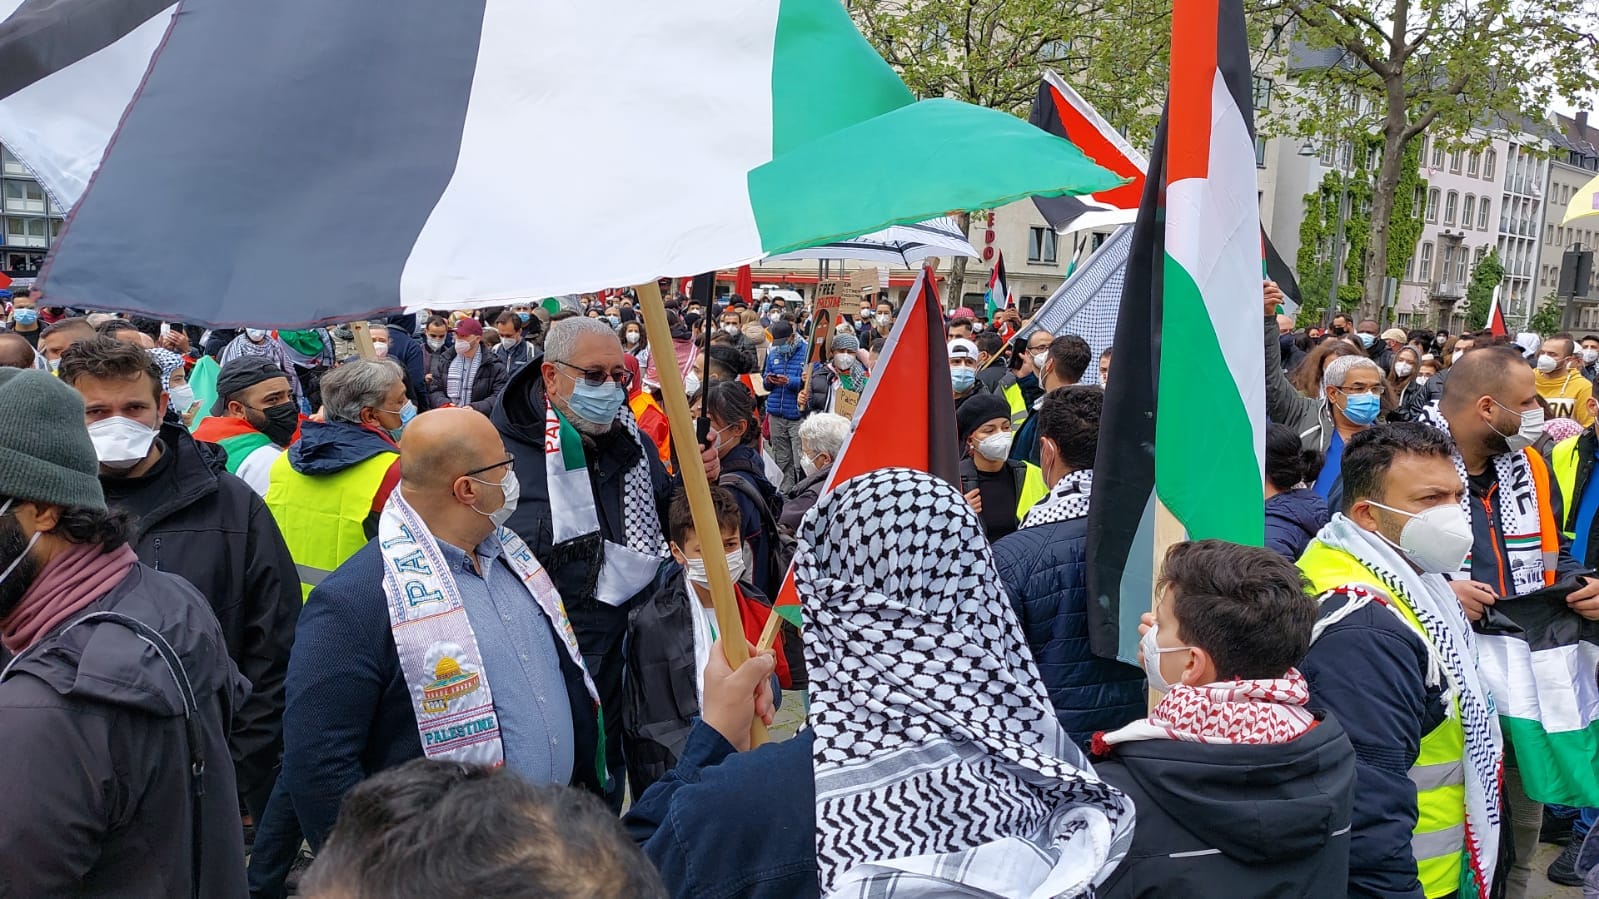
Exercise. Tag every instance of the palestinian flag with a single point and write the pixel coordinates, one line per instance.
(441, 140)
(1541, 662)
(1496, 316)
(1186, 334)
(913, 425)
(998, 296)
(1063, 112)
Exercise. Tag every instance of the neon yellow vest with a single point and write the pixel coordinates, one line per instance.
(1564, 459)
(321, 516)
(1018, 406)
(1439, 841)
(1033, 490)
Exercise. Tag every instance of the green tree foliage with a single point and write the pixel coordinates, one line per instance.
(1480, 292)
(1546, 320)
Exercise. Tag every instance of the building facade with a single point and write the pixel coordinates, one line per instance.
(31, 219)
(1573, 162)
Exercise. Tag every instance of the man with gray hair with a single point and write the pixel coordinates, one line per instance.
(1350, 402)
(328, 489)
(821, 437)
(594, 495)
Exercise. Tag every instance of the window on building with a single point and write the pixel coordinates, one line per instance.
(1410, 268)
(1437, 156)
(1419, 199)
(1448, 262)
(1260, 152)
(1549, 234)
(1473, 163)
(1262, 93)
(1432, 205)
(1041, 245)
(1451, 206)
(12, 165)
(1460, 266)
(1454, 161)
(1468, 212)
(1489, 160)
(1421, 151)
(1424, 273)
(1482, 215)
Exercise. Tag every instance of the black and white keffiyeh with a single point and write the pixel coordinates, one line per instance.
(940, 766)
(1067, 500)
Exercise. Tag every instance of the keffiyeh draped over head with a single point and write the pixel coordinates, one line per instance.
(168, 362)
(939, 762)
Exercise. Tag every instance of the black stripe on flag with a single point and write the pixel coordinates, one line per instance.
(1120, 547)
(42, 37)
(943, 443)
(280, 157)
(1058, 211)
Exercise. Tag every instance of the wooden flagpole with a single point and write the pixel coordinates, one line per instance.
(692, 470)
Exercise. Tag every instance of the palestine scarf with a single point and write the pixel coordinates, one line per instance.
(168, 362)
(627, 567)
(939, 762)
(1251, 712)
(1518, 512)
(1452, 642)
(1067, 500)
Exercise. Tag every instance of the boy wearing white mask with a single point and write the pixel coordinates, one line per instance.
(1393, 657)
(189, 515)
(669, 639)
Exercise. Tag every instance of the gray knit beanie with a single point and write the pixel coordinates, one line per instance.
(45, 452)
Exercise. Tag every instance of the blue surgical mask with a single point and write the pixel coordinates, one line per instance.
(406, 413)
(962, 378)
(1362, 408)
(1366, 340)
(596, 404)
(25, 317)
(783, 350)
(523, 317)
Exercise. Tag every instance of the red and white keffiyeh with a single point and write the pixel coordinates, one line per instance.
(1251, 712)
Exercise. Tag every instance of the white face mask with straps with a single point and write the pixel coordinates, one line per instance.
(5, 509)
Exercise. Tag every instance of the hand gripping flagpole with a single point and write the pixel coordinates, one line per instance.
(692, 469)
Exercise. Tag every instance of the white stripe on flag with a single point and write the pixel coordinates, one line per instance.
(1514, 673)
(59, 125)
(1213, 232)
(670, 151)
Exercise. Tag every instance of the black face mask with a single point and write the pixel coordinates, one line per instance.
(12, 545)
(278, 422)
(1339, 331)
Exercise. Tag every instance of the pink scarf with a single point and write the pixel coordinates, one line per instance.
(76, 577)
(1240, 711)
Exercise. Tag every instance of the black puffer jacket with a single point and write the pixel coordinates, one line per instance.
(1228, 820)
(193, 519)
(96, 790)
(491, 379)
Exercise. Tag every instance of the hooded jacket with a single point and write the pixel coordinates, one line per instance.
(96, 797)
(327, 448)
(408, 352)
(1292, 519)
(1044, 570)
(1229, 820)
(193, 519)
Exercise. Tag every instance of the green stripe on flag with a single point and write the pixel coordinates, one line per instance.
(825, 76)
(1206, 470)
(571, 445)
(1556, 767)
(791, 614)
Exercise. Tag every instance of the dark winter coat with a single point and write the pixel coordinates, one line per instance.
(515, 358)
(518, 413)
(193, 519)
(1345, 667)
(491, 379)
(757, 808)
(96, 790)
(1044, 570)
(1292, 519)
(806, 493)
(409, 353)
(350, 714)
(1223, 820)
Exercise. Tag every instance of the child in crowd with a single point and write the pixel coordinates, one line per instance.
(669, 641)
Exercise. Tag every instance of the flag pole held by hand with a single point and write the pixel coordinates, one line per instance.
(695, 486)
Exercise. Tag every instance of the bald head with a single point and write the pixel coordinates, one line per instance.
(1490, 371)
(440, 446)
(15, 352)
(1285, 324)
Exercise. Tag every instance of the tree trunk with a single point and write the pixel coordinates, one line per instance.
(1382, 199)
(955, 289)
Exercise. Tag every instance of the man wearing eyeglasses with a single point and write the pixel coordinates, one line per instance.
(594, 495)
(442, 637)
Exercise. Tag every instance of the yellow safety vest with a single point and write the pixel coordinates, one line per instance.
(322, 516)
(1018, 406)
(1439, 773)
(1564, 459)
(1033, 490)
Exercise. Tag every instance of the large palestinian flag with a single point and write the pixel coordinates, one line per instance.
(399, 153)
(1185, 415)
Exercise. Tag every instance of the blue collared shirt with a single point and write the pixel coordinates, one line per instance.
(524, 671)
